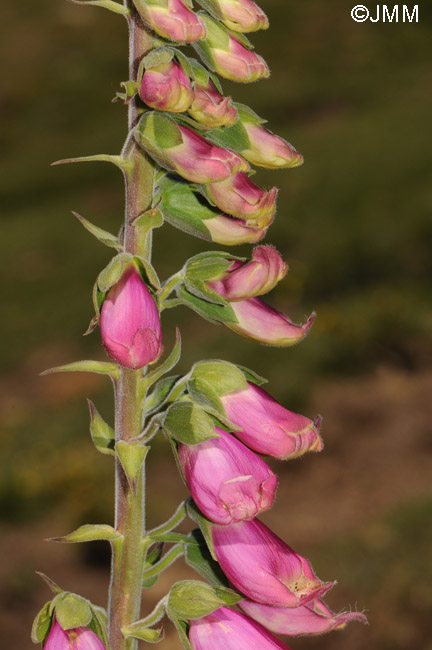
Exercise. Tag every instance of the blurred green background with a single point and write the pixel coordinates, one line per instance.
(354, 226)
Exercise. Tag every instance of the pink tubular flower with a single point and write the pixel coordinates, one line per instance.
(171, 19)
(248, 279)
(269, 428)
(129, 322)
(229, 231)
(240, 197)
(262, 567)
(180, 149)
(78, 638)
(313, 618)
(269, 150)
(238, 63)
(167, 87)
(230, 630)
(259, 322)
(228, 482)
(240, 15)
(211, 108)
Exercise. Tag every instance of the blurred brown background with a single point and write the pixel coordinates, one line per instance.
(353, 224)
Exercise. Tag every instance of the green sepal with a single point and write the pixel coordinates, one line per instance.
(184, 207)
(160, 394)
(224, 377)
(112, 273)
(51, 584)
(182, 630)
(131, 456)
(199, 558)
(233, 137)
(118, 161)
(201, 75)
(148, 634)
(99, 623)
(204, 524)
(208, 310)
(209, 265)
(252, 376)
(188, 423)
(149, 272)
(71, 610)
(101, 235)
(184, 61)
(41, 624)
(130, 90)
(156, 57)
(248, 115)
(203, 393)
(191, 599)
(89, 533)
(98, 367)
(151, 559)
(102, 434)
(172, 538)
(157, 131)
(168, 364)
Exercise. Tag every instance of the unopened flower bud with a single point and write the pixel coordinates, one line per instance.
(171, 19)
(166, 87)
(129, 322)
(269, 150)
(230, 630)
(240, 197)
(227, 56)
(78, 638)
(259, 322)
(238, 15)
(180, 149)
(249, 279)
(313, 618)
(262, 567)
(229, 231)
(228, 482)
(269, 428)
(210, 108)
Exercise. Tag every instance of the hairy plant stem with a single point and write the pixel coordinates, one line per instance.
(129, 552)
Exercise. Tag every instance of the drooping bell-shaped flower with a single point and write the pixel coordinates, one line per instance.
(171, 19)
(179, 148)
(228, 482)
(210, 108)
(226, 55)
(269, 428)
(313, 618)
(129, 322)
(269, 150)
(78, 638)
(249, 279)
(263, 568)
(240, 197)
(238, 15)
(166, 87)
(231, 630)
(259, 322)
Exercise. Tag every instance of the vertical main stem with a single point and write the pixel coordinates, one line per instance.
(128, 553)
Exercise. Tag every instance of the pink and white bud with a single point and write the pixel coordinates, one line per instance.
(171, 19)
(240, 197)
(231, 630)
(228, 482)
(269, 150)
(167, 88)
(229, 231)
(263, 568)
(78, 638)
(313, 618)
(249, 279)
(238, 63)
(269, 428)
(240, 15)
(259, 322)
(129, 322)
(210, 108)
